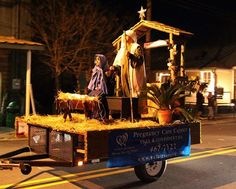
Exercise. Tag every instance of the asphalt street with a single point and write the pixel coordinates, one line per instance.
(211, 165)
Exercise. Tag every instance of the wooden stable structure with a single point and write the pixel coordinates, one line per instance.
(176, 37)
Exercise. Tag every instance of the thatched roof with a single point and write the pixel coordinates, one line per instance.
(143, 26)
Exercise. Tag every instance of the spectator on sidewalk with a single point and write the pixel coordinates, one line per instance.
(211, 105)
(199, 103)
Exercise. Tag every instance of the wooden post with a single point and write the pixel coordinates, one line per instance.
(32, 100)
(0, 88)
(171, 46)
(117, 85)
(28, 82)
(182, 60)
(171, 61)
(117, 90)
(148, 39)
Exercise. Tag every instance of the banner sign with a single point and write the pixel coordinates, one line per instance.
(133, 147)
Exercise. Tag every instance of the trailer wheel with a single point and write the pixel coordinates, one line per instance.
(25, 169)
(150, 172)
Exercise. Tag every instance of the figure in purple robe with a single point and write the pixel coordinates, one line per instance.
(97, 87)
(98, 79)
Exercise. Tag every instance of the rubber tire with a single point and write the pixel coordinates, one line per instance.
(25, 169)
(142, 173)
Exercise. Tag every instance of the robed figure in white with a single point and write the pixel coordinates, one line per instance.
(130, 59)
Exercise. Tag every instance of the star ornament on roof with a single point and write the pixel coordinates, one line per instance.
(142, 13)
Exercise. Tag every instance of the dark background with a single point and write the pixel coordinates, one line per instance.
(209, 20)
(212, 22)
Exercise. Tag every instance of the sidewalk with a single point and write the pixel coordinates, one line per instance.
(222, 116)
(9, 134)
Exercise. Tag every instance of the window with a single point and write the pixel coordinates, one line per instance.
(163, 77)
(205, 77)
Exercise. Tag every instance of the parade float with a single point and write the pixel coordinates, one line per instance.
(129, 140)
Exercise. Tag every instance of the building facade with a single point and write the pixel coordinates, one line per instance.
(14, 22)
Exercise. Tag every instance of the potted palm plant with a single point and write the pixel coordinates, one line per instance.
(166, 101)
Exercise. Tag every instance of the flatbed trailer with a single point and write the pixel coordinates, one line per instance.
(144, 148)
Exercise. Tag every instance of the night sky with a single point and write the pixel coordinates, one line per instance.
(211, 21)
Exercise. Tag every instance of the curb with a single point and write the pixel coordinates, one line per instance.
(13, 139)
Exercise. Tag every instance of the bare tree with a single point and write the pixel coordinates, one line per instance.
(72, 31)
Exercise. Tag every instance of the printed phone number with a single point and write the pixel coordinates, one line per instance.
(163, 147)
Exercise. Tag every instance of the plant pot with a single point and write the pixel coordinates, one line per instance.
(164, 116)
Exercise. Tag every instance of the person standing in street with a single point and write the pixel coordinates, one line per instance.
(199, 103)
(211, 105)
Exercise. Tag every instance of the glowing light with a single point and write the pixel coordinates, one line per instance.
(80, 163)
(169, 64)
